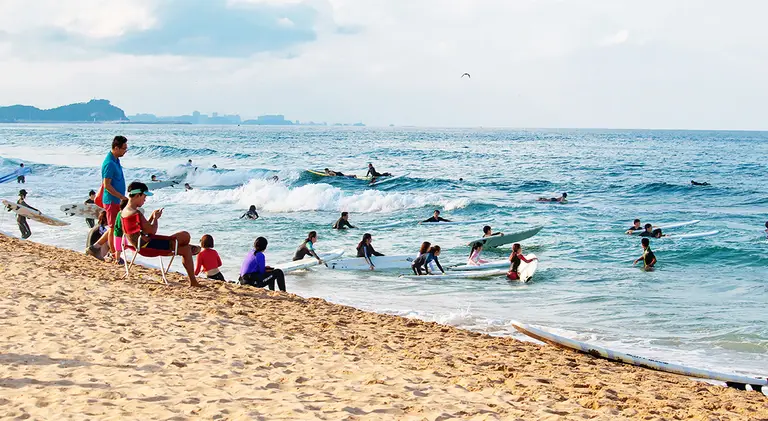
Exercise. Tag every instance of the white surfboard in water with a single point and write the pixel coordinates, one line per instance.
(309, 261)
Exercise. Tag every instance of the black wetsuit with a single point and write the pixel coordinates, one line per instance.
(373, 173)
(267, 279)
(341, 224)
(91, 223)
(656, 233)
(367, 251)
(438, 219)
(250, 215)
(648, 257)
(422, 262)
(634, 228)
(22, 221)
(304, 251)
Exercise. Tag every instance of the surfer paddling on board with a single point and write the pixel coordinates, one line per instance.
(342, 222)
(307, 248)
(436, 217)
(514, 259)
(154, 179)
(366, 250)
(648, 258)
(561, 199)
(251, 214)
(332, 173)
(649, 231)
(696, 183)
(635, 227)
(488, 232)
(373, 173)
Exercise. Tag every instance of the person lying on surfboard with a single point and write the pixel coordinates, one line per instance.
(649, 231)
(696, 183)
(251, 214)
(635, 227)
(648, 258)
(561, 199)
(514, 259)
(337, 174)
(488, 232)
(436, 217)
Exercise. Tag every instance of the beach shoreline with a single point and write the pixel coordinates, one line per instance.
(82, 342)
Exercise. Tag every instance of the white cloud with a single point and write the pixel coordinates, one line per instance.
(618, 38)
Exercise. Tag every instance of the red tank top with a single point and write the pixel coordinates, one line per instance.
(132, 224)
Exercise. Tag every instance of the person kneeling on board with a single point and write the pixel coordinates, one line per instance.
(514, 259)
(649, 231)
(255, 272)
(436, 217)
(251, 214)
(488, 232)
(142, 232)
(307, 248)
(95, 233)
(366, 250)
(648, 258)
(342, 222)
(422, 262)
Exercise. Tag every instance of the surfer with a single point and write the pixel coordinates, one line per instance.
(342, 222)
(648, 258)
(274, 179)
(187, 187)
(154, 179)
(696, 183)
(373, 173)
(488, 232)
(307, 248)
(561, 199)
(514, 259)
(21, 220)
(208, 260)
(337, 174)
(436, 217)
(474, 256)
(90, 201)
(255, 272)
(251, 214)
(189, 163)
(422, 262)
(214, 166)
(366, 250)
(20, 179)
(635, 226)
(649, 231)
(142, 232)
(96, 232)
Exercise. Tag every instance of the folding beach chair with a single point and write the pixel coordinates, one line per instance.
(148, 253)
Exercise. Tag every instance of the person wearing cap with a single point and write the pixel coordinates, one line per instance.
(22, 221)
(142, 232)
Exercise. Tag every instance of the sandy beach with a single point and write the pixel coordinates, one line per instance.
(80, 342)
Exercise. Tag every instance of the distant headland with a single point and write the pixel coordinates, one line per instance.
(102, 111)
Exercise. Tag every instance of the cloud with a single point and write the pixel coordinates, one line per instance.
(618, 38)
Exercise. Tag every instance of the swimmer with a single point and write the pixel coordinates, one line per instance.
(154, 179)
(635, 227)
(187, 187)
(342, 222)
(214, 166)
(251, 214)
(436, 217)
(649, 231)
(561, 199)
(648, 258)
(696, 183)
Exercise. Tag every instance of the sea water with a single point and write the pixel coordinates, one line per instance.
(704, 305)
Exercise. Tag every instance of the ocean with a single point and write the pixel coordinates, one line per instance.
(703, 306)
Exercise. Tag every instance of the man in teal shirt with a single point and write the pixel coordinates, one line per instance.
(113, 181)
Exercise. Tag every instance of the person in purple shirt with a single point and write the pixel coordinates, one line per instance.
(255, 271)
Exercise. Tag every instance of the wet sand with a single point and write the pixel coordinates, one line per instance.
(80, 342)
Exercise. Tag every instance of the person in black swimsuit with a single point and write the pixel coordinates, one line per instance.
(648, 258)
(373, 173)
(436, 218)
(366, 250)
(343, 222)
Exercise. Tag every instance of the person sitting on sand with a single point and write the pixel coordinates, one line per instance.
(423, 261)
(342, 222)
(561, 199)
(488, 232)
(635, 227)
(474, 255)
(251, 214)
(208, 260)
(514, 259)
(648, 257)
(142, 232)
(255, 272)
(436, 217)
(95, 233)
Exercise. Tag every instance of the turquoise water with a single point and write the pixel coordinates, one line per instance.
(703, 306)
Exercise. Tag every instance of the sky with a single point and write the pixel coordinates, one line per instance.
(687, 64)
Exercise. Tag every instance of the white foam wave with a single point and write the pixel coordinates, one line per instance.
(278, 197)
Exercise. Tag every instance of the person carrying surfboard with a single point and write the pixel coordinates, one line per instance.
(21, 220)
(307, 248)
(423, 261)
(488, 232)
(514, 259)
(648, 257)
(436, 217)
(342, 222)
(366, 250)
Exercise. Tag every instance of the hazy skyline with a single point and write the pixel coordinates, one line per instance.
(534, 63)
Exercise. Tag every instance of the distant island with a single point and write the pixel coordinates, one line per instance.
(95, 110)
(102, 111)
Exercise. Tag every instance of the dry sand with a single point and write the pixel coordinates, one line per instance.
(79, 342)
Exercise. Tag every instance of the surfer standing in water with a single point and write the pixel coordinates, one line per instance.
(20, 179)
(514, 259)
(22, 221)
(436, 217)
(635, 227)
(648, 258)
(488, 232)
(307, 248)
(366, 250)
(422, 262)
(342, 222)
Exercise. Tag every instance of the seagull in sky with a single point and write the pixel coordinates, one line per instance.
(467, 75)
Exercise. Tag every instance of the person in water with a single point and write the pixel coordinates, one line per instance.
(365, 249)
(153, 179)
(274, 179)
(635, 227)
(21, 220)
(214, 166)
(649, 231)
(766, 229)
(696, 183)
(474, 255)
(561, 199)
(342, 222)
(373, 173)
(95, 233)
(20, 179)
(187, 187)
(189, 163)
(514, 259)
(436, 217)
(142, 232)
(337, 173)
(488, 232)
(208, 260)
(90, 201)
(251, 214)
(422, 262)
(256, 273)
(648, 258)
(307, 248)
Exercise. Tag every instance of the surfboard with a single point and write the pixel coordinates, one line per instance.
(384, 179)
(389, 225)
(500, 240)
(344, 177)
(692, 235)
(477, 221)
(13, 175)
(670, 225)
(85, 210)
(485, 266)
(155, 185)
(380, 262)
(596, 351)
(460, 275)
(526, 270)
(34, 215)
(309, 261)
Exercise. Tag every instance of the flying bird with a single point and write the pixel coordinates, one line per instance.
(467, 75)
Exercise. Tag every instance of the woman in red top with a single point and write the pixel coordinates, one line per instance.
(142, 232)
(209, 260)
(514, 259)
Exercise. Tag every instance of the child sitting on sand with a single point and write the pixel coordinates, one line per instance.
(208, 260)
